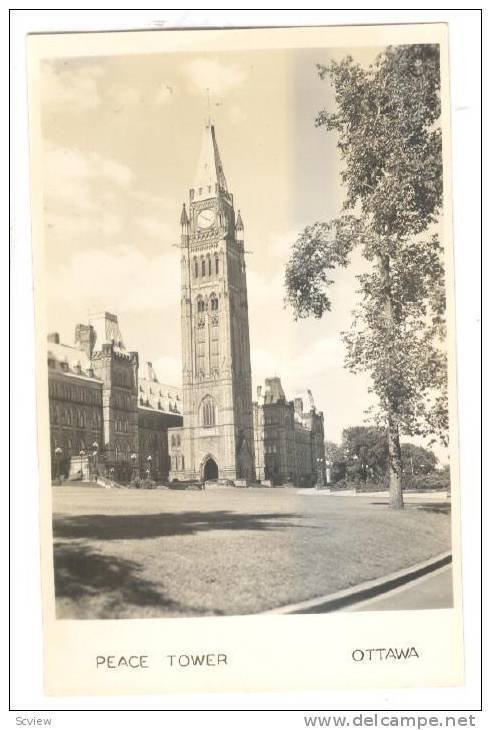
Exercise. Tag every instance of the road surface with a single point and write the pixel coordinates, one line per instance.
(431, 591)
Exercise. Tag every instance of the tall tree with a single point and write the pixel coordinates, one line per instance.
(335, 461)
(417, 460)
(365, 450)
(386, 121)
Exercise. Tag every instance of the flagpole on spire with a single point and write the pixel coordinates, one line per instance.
(209, 107)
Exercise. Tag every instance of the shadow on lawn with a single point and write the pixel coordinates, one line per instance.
(437, 507)
(82, 574)
(146, 526)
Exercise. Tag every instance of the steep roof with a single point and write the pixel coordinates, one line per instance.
(155, 395)
(209, 175)
(70, 361)
(273, 391)
(107, 330)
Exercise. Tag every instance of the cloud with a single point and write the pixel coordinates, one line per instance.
(166, 93)
(312, 363)
(90, 199)
(236, 114)
(122, 95)
(123, 281)
(168, 369)
(280, 244)
(72, 87)
(112, 170)
(69, 172)
(158, 228)
(220, 78)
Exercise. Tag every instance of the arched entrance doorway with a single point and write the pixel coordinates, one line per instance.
(210, 470)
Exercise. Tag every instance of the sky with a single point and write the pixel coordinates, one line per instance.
(121, 137)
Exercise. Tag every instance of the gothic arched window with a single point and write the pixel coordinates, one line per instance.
(207, 411)
(196, 268)
(209, 265)
(217, 265)
(213, 301)
(201, 304)
(203, 267)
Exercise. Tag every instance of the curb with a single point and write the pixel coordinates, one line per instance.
(364, 591)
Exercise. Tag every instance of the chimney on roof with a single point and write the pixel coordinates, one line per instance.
(151, 374)
(54, 337)
(85, 338)
(298, 405)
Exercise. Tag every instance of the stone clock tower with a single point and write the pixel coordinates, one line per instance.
(216, 440)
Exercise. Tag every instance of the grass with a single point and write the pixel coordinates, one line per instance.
(135, 554)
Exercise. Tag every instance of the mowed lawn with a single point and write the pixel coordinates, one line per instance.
(132, 554)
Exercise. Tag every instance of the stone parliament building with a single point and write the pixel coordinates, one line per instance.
(109, 415)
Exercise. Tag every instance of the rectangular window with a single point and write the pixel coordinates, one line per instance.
(214, 351)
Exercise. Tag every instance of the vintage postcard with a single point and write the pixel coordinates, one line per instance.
(246, 379)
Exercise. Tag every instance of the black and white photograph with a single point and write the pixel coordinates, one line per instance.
(245, 318)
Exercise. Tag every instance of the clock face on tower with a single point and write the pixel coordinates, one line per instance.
(206, 218)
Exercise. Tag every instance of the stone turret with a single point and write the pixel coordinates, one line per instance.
(85, 338)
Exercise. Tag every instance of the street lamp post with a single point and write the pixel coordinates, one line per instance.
(58, 453)
(149, 467)
(134, 474)
(95, 454)
(328, 470)
(320, 461)
(82, 453)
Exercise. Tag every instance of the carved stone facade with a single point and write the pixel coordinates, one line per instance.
(96, 396)
(216, 439)
(288, 437)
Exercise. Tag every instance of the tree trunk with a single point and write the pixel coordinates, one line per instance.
(395, 465)
(395, 460)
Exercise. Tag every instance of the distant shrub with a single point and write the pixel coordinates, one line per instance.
(148, 484)
(433, 480)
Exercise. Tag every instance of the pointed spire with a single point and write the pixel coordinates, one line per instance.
(184, 216)
(239, 226)
(210, 178)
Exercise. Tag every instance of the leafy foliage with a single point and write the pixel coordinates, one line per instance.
(389, 138)
(336, 461)
(363, 457)
(417, 460)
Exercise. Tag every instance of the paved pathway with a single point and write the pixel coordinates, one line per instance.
(431, 591)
